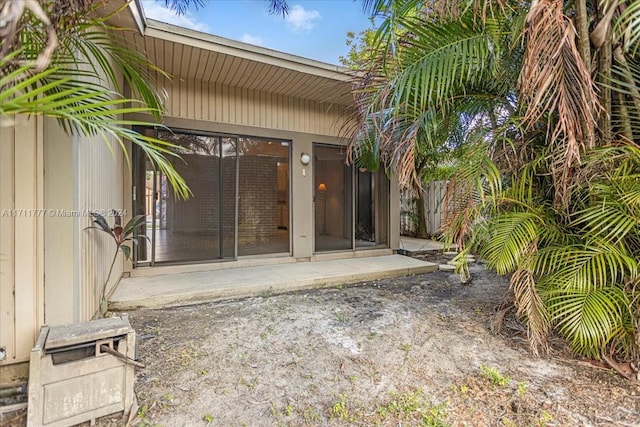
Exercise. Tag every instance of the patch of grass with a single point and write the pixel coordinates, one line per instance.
(310, 415)
(251, 385)
(544, 418)
(208, 418)
(522, 388)
(435, 416)
(402, 404)
(411, 407)
(341, 410)
(463, 388)
(494, 376)
(405, 347)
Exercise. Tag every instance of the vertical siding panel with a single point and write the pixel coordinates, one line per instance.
(245, 106)
(237, 102)
(260, 108)
(251, 107)
(26, 244)
(218, 104)
(224, 104)
(205, 99)
(7, 242)
(99, 187)
(271, 111)
(174, 84)
(183, 90)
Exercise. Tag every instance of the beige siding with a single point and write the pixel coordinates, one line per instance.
(81, 175)
(195, 99)
(21, 253)
(99, 186)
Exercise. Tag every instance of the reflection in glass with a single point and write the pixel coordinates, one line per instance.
(239, 203)
(333, 201)
(263, 196)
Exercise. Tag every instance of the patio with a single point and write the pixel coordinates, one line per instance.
(182, 287)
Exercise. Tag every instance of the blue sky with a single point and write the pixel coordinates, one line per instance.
(313, 29)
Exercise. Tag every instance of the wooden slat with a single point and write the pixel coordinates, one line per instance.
(26, 244)
(203, 63)
(7, 242)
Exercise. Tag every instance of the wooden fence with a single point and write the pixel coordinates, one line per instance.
(434, 193)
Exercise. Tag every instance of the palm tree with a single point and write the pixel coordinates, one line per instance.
(58, 58)
(550, 166)
(59, 61)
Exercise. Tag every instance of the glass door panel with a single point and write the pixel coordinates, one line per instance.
(263, 196)
(201, 228)
(190, 230)
(333, 205)
(365, 235)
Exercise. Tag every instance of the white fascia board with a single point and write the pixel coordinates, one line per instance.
(173, 33)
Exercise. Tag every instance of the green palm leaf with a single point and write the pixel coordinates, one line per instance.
(510, 236)
(585, 267)
(590, 319)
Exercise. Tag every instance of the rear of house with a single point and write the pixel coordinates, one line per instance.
(260, 137)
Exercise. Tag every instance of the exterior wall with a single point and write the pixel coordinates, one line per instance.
(21, 226)
(50, 267)
(194, 99)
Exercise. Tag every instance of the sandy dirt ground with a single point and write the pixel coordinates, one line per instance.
(396, 352)
(410, 351)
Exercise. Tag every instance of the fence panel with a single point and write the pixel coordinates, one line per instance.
(433, 195)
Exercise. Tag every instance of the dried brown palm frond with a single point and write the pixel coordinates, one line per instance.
(555, 84)
(530, 306)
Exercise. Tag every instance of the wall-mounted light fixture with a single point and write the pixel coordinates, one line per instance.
(305, 158)
(322, 187)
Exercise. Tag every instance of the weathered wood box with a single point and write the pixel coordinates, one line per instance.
(75, 376)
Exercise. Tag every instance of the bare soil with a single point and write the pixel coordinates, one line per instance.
(396, 352)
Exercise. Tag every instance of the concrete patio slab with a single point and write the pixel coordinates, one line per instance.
(412, 245)
(204, 286)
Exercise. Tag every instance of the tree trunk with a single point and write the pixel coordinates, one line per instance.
(623, 115)
(582, 28)
(422, 217)
(604, 80)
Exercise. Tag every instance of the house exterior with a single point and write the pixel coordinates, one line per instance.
(260, 134)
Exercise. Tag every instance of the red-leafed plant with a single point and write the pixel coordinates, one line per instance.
(120, 236)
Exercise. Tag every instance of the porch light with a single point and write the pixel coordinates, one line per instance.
(322, 187)
(305, 158)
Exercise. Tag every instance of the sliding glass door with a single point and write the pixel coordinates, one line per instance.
(239, 203)
(351, 206)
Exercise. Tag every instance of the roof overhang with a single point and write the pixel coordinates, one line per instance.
(190, 55)
(193, 55)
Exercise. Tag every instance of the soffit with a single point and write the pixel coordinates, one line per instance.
(189, 55)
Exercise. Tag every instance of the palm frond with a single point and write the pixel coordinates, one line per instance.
(88, 109)
(509, 238)
(555, 82)
(585, 267)
(531, 306)
(589, 319)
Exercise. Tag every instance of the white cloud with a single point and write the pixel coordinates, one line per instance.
(162, 13)
(248, 38)
(301, 20)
